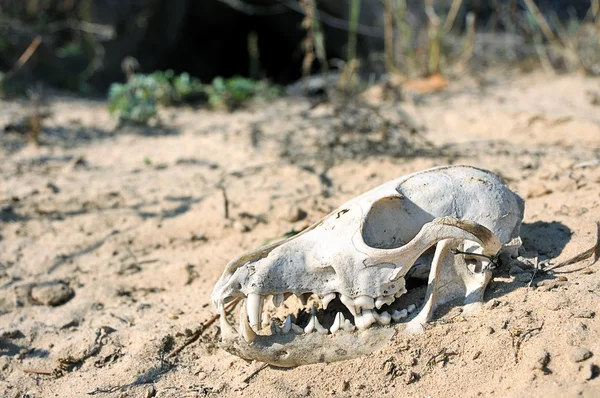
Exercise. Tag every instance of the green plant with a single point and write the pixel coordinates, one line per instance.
(138, 100)
(233, 92)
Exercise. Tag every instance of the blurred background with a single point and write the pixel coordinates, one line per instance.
(86, 45)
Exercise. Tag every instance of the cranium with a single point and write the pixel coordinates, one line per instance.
(448, 224)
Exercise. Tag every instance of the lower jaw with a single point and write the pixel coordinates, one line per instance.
(288, 350)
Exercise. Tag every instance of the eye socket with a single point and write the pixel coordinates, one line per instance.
(392, 221)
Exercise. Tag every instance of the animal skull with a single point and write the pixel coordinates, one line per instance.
(357, 260)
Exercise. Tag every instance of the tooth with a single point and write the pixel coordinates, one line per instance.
(304, 298)
(384, 318)
(348, 326)
(397, 316)
(400, 292)
(245, 329)
(364, 302)
(338, 322)
(266, 320)
(297, 329)
(287, 325)
(319, 327)
(254, 303)
(348, 302)
(311, 325)
(275, 329)
(327, 299)
(226, 329)
(411, 308)
(364, 319)
(278, 299)
(383, 300)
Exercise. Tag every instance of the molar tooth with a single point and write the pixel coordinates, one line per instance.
(287, 325)
(348, 302)
(397, 316)
(311, 325)
(254, 303)
(338, 323)
(383, 319)
(245, 329)
(278, 299)
(400, 292)
(383, 300)
(364, 319)
(327, 299)
(364, 302)
(348, 326)
(411, 308)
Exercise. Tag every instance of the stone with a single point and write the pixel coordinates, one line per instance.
(52, 293)
(580, 354)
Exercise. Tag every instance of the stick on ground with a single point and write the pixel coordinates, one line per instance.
(202, 329)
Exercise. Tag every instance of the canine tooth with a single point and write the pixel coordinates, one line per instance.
(383, 300)
(364, 319)
(245, 329)
(397, 316)
(278, 299)
(348, 326)
(383, 319)
(287, 325)
(311, 325)
(226, 328)
(364, 302)
(254, 303)
(338, 323)
(319, 327)
(327, 299)
(297, 329)
(348, 302)
(411, 308)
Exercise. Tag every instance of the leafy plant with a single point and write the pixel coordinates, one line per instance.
(234, 92)
(138, 100)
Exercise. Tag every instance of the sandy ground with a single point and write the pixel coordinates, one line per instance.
(111, 241)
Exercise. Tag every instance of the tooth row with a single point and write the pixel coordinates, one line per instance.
(362, 308)
(255, 301)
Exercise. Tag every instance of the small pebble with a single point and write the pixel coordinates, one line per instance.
(52, 293)
(580, 354)
(293, 214)
(586, 314)
(240, 226)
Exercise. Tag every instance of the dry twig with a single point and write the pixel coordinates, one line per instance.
(519, 337)
(202, 329)
(593, 252)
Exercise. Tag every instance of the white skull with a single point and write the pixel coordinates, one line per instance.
(360, 255)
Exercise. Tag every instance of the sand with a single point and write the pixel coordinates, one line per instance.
(111, 240)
